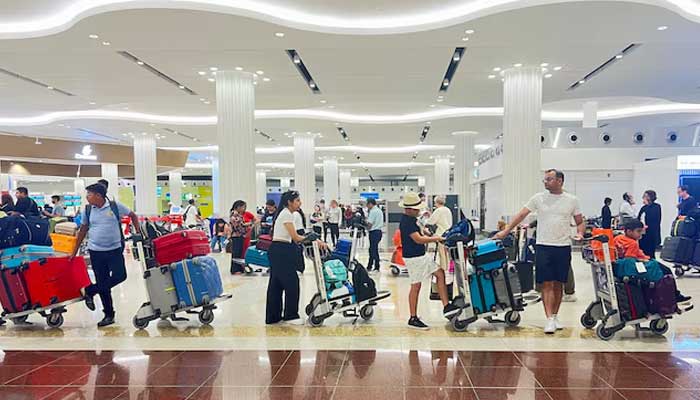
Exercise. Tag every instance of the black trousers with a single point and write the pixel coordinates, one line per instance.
(284, 281)
(237, 252)
(110, 270)
(335, 232)
(317, 230)
(325, 231)
(375, 237)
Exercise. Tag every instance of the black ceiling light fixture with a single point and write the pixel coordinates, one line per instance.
(148, 67)
(35, 82)
(343, 134)
(265, 135)
(617, 57)
(452, 68)
(424, 134)
(305, 74)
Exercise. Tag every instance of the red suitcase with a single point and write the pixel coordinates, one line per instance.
(180, 245)
(54, 280)
(13, 291)
(264, 242)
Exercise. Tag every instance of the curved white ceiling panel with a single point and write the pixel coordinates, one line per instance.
(298, 18)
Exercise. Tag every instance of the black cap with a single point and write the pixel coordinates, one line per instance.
(97, 188)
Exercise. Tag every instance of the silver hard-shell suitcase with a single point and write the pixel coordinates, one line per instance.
(161, 290)
(508, 291)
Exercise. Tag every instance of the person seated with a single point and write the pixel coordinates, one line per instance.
(627, 246)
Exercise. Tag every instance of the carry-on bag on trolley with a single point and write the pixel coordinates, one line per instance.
(66, 228)
(55, 221)
(483, 292)
(507, 285)
(335, 274)
(197, 281)
(255, 256)
(631, 301)
(487, 255)
(63, 243)
(180, 245)
(161, 290)
(678, 249)
(54, 280)
(684, 227)
(695, 260)
(524, 267)
(14, 295)
(660, 296)
(17, 231)
(343, 247)
(365, 287)
(264, 242)
(16, 256)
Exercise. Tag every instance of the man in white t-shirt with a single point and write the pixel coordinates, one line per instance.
(191, 214)
(554, 209)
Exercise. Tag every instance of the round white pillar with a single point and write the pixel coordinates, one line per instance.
(330, 180)
(522, 127)
(215, 188)
(145, 173)
(464, 164)
(79, 186)
(260, 188)
(110, 172)
(175, 186)
(304, 174)
(441, 180)
(345, 182)
(235, 109)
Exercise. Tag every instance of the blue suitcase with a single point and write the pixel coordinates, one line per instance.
(197, 281)
(488, 255)
(16, 256)
(342, 247)
(483, 292)
(257, 257)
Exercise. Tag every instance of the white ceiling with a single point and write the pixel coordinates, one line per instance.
(365, 74)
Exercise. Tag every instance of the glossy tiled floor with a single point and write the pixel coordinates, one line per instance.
(239, 324)
(382, 374)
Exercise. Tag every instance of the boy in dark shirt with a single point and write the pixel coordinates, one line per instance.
(687, 203)
(420, 266)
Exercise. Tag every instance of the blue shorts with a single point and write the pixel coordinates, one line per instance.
(552, 263)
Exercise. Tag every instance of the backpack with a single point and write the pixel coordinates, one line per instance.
(365, 288)
(462, 231)
(334, 273)
(115, 210)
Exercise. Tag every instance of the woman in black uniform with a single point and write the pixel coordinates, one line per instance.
(651, 212)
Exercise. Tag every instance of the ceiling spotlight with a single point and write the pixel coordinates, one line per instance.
(106, 43)
(469, 31)
(456, 57)
(181, 87)
(213, 69)
(202, 73)
(518, 65)
(255, 83)
(446, 82)
(492, 76)
(547, 76)
(50, 87)
(279, 34)
(37, 141)
(661, 28)
(619, 56)
(440, 100)
(139, 62)
(93, 36)
(239, 68)
(432, 106)
(266, 79)
(496, 69)
(211, 80)
(557, 68)
(260, 72)
(312, 84)
(323, 101)
(124, 134)
(465, 39)
(331, 106)
(202, 99)
(92, 103)
(582, 81)
(296, 59)
(544, 69)
(544, 65)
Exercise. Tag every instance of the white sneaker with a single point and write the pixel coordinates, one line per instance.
(550, 327)
(557, 324)
(569, 298)
(294, 322)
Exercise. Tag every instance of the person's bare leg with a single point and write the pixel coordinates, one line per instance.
(558, 292)
(547, 298)
(442, 286)
(413, 299)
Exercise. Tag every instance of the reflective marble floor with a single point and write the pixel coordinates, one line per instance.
(373, 374)
(239, 324)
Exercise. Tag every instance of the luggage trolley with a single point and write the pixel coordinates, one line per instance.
(321, 307)
(605, 308)
(53, 314)
(146, 313)
(467, 315)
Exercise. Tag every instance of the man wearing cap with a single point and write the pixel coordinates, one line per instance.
(102, 218)
(420, 266)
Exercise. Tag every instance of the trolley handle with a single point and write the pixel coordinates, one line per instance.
(598, 238)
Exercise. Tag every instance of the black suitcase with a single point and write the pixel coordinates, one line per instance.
(678, 249)
(696, 254)
(526, 274)
(18, 231)
(686, 227)
(631, 301)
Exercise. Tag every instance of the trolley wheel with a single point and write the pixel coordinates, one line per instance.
(309, 309)
(54, 320)
(20, 320)
(587, 321)
(367, 312)
(459, 325)
(679, 271)
(659, 326)
(206, 316)
(512, 318)
(604, 333)
(140, 323)
(395, 271)
(315, 321)
(248, 270)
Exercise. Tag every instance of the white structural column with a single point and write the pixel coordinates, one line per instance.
(344, 178)
(522, 127)
(260, 188)
(441, 181)
(145, 173)
(304, 174)
(78, 187)
(590, 114)
(429, 184)
(330, 180)
(464, 165)
(235, 109)
(110, 172)
(175, 186)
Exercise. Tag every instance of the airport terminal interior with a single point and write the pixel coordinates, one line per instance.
(198, 161)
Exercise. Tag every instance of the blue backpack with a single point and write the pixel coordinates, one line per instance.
(462, 231)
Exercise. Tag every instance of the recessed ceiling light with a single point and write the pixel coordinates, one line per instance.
(323, 101)
(207, 102)
(139, 62)
(181, 87)
(312, 84)
(582, 81)
(440, 100)
(93, 36)
(446, 82)
(123, 134)
(331, 106)
(266, 79)
(544, 69)
(106, 43)
(152, 124)
(279, 34)
(202, 73)
(619, 56)
(465, 39)
(469, 31)
(202, 99)
(558, 68)
(260, 72)
(92, 103)
(432, 106)
(518, 65)
(255, 82)
(544, 65)
(211, 80)
(239, 68)
(456, 57)
(548, 76)
(213, 69)
(496, 69)
(661, 28)
(492, 76)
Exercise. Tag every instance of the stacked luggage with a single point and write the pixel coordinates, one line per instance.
(32, 278)
(682, 248)
(179, 275)
(257, 255)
